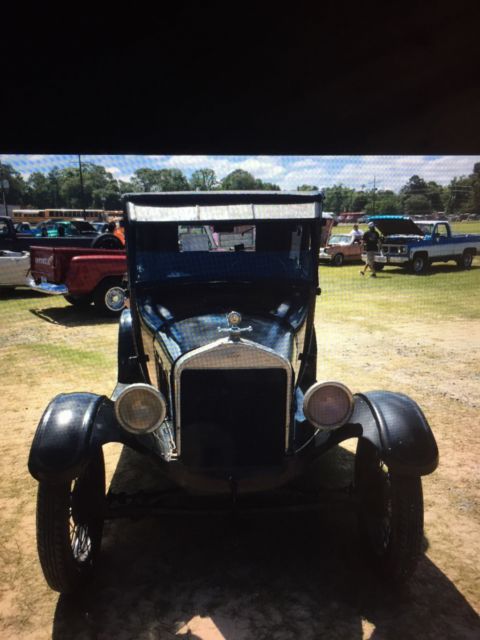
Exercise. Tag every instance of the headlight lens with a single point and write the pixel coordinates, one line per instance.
(140, 408)
(328, 404)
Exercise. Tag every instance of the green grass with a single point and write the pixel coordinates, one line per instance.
(395, 295)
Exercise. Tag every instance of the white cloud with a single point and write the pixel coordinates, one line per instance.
(114, 170)
(392, 172)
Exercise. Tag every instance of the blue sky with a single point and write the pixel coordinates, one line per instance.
(389, 172)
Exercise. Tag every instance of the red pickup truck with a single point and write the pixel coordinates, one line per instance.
(81, 275)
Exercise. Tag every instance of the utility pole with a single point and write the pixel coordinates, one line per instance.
(81, 187)
(374, 193)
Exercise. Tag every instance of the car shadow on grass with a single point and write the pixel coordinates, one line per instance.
(433, 270)
(19, 294)
(73, 316)
(242, 577)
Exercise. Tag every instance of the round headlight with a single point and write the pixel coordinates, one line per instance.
(328, 404)
(140, 408)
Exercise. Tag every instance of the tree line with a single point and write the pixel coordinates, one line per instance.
(98, 189)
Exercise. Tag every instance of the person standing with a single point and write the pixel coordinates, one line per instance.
(371, 240)
(120, 231)
(356, 233)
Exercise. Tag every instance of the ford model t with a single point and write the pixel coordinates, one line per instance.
(217, 381)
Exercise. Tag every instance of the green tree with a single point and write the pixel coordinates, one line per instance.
(38, 191)
(415, 186)
(338, 198)
(146, 179)
(16, 184)
(306, 187)
(239, 180)
(100, 189)
(203, 180)
(359, 201)
(417, 205)
(383, 202)
(460, 195)
(437, 196)
(266, 186)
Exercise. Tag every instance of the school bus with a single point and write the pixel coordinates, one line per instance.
(41, 215)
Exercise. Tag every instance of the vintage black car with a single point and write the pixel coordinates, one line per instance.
(217, 366)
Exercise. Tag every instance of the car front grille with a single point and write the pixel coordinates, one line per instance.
(233, 417)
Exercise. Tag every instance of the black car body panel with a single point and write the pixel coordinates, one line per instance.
(63, 437)
(397, 427)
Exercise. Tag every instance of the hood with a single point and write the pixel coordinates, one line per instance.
(180, 336)
(396, 226)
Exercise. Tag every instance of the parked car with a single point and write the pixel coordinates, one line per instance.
(81, 275)
(14, 267)
(100, 227)
(64, 228)
(341, 248)
(217, 365)
(416, 244)
(72, 234)
(24, 227)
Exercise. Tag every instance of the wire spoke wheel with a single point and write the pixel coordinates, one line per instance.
(390, 514)
(69, 526)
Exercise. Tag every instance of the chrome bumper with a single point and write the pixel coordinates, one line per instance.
(379, 257)
(48, 287)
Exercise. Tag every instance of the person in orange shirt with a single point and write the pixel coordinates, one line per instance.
(120, 232)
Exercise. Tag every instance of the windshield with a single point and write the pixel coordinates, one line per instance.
(340, 240)
(426, 228)
(223, 252)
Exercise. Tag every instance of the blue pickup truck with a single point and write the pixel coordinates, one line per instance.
(416, 244)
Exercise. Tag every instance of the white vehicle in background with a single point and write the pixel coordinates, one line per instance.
(14, 266)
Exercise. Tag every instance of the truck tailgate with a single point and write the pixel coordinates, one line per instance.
(51, 264)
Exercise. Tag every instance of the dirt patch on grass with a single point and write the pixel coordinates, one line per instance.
(280, 577)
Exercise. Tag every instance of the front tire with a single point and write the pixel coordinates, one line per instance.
(419, 263)
(390, 516)
(338, 260)
(70, 525)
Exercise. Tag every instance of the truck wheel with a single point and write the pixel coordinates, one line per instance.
(390, 514)
(109, 297)
(465, 261)
(419, 263)
(338, 260)
(70, 525)
(107, 241)
(79, 301)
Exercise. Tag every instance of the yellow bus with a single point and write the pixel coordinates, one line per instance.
(41, 215)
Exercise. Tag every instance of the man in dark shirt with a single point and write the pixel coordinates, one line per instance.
(371, 239)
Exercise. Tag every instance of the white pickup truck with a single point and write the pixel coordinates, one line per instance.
(418, 243)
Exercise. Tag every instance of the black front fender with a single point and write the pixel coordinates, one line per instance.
(397, 427)
(62, 441)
